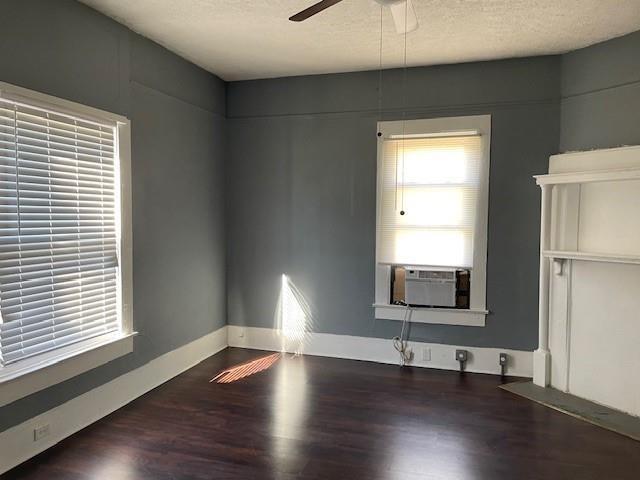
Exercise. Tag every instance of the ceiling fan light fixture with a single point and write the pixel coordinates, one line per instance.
(403, 13)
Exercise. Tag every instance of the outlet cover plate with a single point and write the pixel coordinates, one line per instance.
(41, 432)
(426, 354)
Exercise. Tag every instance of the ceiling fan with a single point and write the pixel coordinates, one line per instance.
(404, 16)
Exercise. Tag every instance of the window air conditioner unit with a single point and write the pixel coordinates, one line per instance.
(430, 288)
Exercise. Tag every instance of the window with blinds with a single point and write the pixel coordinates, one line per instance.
(428, 200)
(59, 232)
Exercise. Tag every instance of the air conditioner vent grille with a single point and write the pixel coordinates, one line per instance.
(432, 275)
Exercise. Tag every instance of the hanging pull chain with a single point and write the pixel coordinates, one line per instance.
(404, 104)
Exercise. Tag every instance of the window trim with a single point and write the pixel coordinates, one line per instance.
(36, 373)
(31, 375)
(476, 314)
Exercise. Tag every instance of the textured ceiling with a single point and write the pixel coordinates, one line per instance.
(243, 39)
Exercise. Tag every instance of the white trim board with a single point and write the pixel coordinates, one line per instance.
(595, 160)
(432, 315)
(481, 360)
(17, 443)
(37, 373)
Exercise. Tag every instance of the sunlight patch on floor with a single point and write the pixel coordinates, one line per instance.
(247, 369)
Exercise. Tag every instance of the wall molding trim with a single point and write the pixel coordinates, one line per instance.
(445, 110)
(380, 350)
(151, 88)
(630, 83)
(17, 443)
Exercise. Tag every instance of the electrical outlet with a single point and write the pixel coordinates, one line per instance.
(503, 359)
(241, 333)
(41, 432)
(426, 354)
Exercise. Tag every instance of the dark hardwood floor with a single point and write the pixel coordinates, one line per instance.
(323, 418)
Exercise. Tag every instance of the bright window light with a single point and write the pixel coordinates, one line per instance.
(422, 165)
(449, 246)
(430, 188)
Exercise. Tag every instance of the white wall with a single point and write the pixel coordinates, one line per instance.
(605, 330)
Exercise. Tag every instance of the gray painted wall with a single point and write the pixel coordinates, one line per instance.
(301, 191)
(177, 112)
(601, 95)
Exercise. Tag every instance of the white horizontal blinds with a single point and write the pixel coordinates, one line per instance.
(435, 181)
(58, 236)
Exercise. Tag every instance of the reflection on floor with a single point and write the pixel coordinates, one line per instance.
(323, 418)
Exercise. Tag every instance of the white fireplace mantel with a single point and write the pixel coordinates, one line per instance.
(590, 275)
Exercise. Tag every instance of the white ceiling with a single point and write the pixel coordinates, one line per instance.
(244, 39)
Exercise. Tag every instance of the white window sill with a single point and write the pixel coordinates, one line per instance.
(441, 316)
(39, 372)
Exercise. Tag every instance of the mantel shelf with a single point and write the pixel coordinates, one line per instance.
(591, 257)
(615, 175)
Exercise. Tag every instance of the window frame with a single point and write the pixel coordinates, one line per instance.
(30, 375)
(475, 315)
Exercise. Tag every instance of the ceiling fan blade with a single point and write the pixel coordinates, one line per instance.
(401, 11)
(313, 9)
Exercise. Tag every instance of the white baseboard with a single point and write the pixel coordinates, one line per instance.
(17, 443)
(481, 360)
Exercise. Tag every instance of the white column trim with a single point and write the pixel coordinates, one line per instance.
(541, 357)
